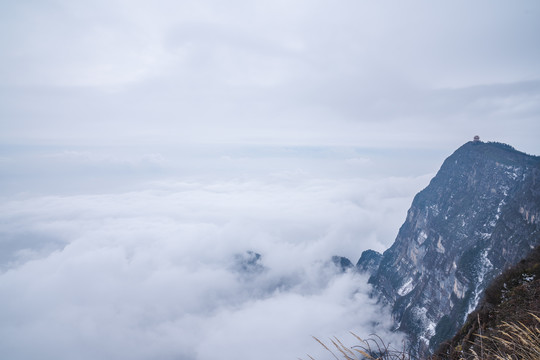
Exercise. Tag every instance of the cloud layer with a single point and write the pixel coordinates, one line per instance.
(166, 272)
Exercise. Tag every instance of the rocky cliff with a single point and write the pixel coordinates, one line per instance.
(479, 215)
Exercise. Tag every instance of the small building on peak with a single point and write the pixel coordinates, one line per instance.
(476, 138)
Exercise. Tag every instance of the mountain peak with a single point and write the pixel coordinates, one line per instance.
(492, 151)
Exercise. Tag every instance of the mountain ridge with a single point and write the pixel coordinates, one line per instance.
(479, 215)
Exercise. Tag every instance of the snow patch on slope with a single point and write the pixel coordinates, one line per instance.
(406, 288)
(484, 267)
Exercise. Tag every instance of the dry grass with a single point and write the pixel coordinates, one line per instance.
(509, 341)
(373, 348)
(512, 341)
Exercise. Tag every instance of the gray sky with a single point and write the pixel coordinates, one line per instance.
(146, 147)
(392, 74)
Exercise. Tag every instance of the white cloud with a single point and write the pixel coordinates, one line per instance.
(151, 273)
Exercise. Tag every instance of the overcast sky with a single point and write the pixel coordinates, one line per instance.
(147, 147)
(361, 73)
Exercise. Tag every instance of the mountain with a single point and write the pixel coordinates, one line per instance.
(479, 215)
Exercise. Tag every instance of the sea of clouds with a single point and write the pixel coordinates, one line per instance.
(168, 268)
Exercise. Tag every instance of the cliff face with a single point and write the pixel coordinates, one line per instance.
(479, 215)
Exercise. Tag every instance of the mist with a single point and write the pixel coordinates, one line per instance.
(199, 266)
